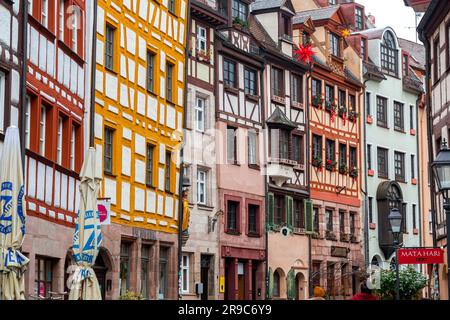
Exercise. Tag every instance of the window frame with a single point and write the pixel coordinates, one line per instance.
(170, 82)
(248, 81)
(185, 273)
(48, 284)
(110, 143)
(168, 172)
(335, 45)
(3, 102)
(43, 129)
(277, 82)
(171, 6)
(256, 231)
(110, 43)
(298, 148)
(399, 166)
(150, 76)
(202, 182)
(149, 163)
(252, 147)
(237, 227)
(296, 88)
(201, 39)
(382, 118)
(383, 169)
(240, 13)
(399, 116)
(317, 146)
(229, 76)
(197, 111)
(389, 54)
(233, 159)
(359, 21)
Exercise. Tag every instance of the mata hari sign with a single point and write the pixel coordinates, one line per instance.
(420, 256)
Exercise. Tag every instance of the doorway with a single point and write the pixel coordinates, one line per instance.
(300, 286)
(100, 270)
(205, 265)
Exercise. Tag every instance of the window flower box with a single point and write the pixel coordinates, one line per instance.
(353, 172)
(317, 162)
(330, 107)
(414, 181)
(343, 169)
(330, 235)
(203, 55)
(371, 172)
(372, 226)
(369, 119)
(412, 132)
(240, 24)
(317, 101)
(330, 165)
(342, 112)
(315, 235)
(353, 116)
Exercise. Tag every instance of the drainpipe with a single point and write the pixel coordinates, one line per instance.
(181, 174)
(364, 164)
(23, 84)
(308, 78)
(426, 43)
(93, 70)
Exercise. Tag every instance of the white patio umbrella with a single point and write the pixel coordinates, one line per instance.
(87, 237)
(12, 219)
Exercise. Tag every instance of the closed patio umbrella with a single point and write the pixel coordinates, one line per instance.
(87, 237)
(12, 219)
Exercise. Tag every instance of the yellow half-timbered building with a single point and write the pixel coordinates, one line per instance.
(139, 99)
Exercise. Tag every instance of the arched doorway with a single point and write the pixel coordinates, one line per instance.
(300, 286)
(100, 270)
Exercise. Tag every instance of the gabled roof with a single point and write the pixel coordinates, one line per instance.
(260, 33)
(278, 118)
(375, 33)
(273, 4)
(315, 14)
(415, 50)
(370, 70)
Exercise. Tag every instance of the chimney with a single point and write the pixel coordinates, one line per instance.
(371, 18)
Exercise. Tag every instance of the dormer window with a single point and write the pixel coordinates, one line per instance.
(286, 26)
(239, 10)
(305, 38)
(334, 45)
(359, 23)
(405, 65)
(363, 49)
(389, 51)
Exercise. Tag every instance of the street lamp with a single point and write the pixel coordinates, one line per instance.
(395, 220)
(441, 170)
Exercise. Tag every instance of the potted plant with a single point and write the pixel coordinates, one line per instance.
(343, 168)
(411, 284)
(203, 55)
(239, 23)
(353, 116)
(342, 112)
(354, 173)
(317, 162)
(317, 101)
(330, 165)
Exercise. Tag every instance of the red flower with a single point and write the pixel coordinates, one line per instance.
(304, 53)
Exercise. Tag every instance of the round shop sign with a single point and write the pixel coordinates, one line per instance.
(102, 212)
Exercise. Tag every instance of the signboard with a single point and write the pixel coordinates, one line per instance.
(420, 256)
(222, 284)
(104, 211)
(341, 252)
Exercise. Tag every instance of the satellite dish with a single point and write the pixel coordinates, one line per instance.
(285, 231)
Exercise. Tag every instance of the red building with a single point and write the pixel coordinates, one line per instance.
(54, 137)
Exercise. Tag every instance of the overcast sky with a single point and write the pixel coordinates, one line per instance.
(392, 13)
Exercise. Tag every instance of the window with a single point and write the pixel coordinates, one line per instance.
(239, 10)
(125, 267)
(280, 215)
(169, 82)
(27, 116)
(44, 13)
(200, 114)
(411, 117)
(108, 152)
(369, 156)
(72, 147)
(286, 27)
(42, 130)
(299, 216)
(253, 212)
(437, 63)
(370, 210)
(317, 146)
(382, 160)
(398, 116)
(250, 81)
(330, 152)
(201, 39)
(413, 170)
(342, 154)
(61, 19)
(334, 45)
(150, 71)
(351, 102)
(382, 112)
(44, 276)
(315, 274)
(405, 65)
(59, 141)
(109, 47)
(359, 19)
(363, 49)
(329, 219)
(229, 73)
(163, 271)
(171, 6)
(329, 94)
(185, 273)
(316, 87)
(352, 157)
(305, 38)
(232, 215)
(399, 165)
(341, 221)
(149, 165)
(389, 54)
(414, 216)
(316, 219)
(231, 145)
(252, 149)
(352, 223)
(297, 148)
(2, 99)
(296, 88)
(368, 104)
(168, 170)
(284, 144)
(201, 187)
(75, 26)
(342, 98)
(276, 284)
(30, 6)
(277, 82)
(430, 222)
(145, 260)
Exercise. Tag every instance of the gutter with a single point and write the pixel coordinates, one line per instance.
(181, 173)
(23, 83)
(365, 191)
(308, 78)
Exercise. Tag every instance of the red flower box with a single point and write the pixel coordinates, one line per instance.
(370, 172)
(412, 132)
(369, 120)
(372, 226)
(414, 181)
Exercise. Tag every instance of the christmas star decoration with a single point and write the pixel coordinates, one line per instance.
(304, 53)
(346, 33)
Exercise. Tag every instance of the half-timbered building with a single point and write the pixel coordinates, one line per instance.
(334, 95)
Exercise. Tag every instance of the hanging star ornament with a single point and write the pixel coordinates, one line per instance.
(304, 53)
(346, 33)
